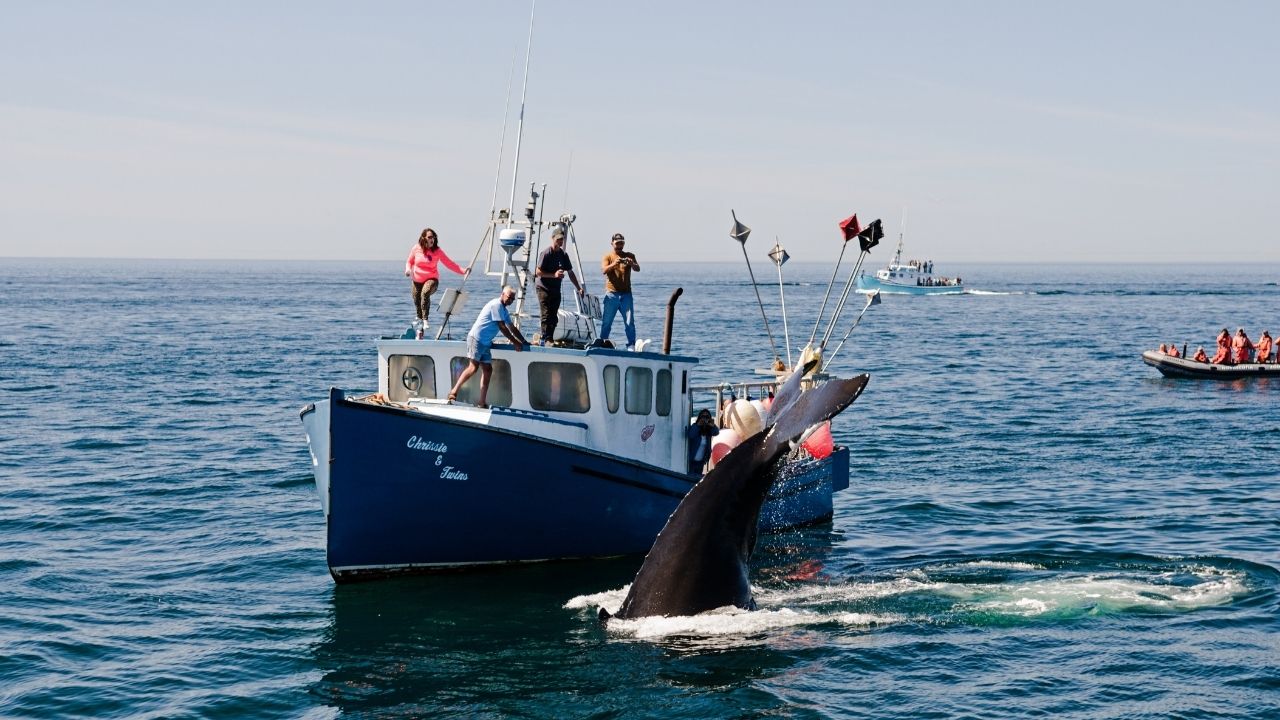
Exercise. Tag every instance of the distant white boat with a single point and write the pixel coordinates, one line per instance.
(914, 277)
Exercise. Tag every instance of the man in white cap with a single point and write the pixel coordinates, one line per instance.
(493, 318)
(617, 266)
(553, 265)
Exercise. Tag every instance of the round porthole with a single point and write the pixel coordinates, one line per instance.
(411, 379)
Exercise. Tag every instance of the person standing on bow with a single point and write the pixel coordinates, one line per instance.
(617, 266)
(1241, 347)
(493, 318)
(421, 268)
(553, 265)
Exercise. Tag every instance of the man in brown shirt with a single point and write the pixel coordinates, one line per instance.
(617, 266)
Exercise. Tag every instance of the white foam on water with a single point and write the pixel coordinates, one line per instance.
(993, 292)
(987, 565)
(728, 622)
(814, 593)
(610, 600)
(803, 594)
(1102, 593)
(735, 622)
(812, 604)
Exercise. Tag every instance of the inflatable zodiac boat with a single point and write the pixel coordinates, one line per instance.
(1176, 367)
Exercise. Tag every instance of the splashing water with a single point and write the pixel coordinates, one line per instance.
(978, 592)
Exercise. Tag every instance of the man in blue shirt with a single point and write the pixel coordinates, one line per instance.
(492, 319)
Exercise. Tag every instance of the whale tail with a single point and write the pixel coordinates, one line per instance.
(699, 560)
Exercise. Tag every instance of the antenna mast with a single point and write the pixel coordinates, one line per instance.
(902, 230)
(524, 89)
(502, 137)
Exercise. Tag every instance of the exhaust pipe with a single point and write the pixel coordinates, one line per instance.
(671, 316)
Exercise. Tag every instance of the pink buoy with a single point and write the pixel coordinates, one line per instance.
(721, 444)
(819, 444)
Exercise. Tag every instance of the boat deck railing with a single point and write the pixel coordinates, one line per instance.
(755, 389)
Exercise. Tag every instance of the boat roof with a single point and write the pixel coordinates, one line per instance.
(410, 345)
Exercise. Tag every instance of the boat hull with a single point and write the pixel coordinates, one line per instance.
(870, 283)
(408, 492)
(1183, 368)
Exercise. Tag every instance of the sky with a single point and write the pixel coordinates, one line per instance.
(1000, 131)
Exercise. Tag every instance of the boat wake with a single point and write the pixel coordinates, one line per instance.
(974, 593)
(972, 291)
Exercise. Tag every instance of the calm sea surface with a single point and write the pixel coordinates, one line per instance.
(1037, 523)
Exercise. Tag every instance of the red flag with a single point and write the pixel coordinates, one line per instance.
(850, 227)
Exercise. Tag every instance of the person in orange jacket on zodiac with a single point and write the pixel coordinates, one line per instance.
(1241, 347)
(1262, 351)
(1224, 349)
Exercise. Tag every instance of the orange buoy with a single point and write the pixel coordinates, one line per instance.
(819, 444)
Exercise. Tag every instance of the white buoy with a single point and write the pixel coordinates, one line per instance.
(744, 419)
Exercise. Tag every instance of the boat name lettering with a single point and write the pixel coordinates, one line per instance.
(417, 443)
(449, 473)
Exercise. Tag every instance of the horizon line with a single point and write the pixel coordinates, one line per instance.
(674, 262)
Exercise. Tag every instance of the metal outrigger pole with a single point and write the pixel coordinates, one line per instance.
(844, 297)
(868, 238)
(872, 299)
(779, 256)
(740, 233)
(830, 283)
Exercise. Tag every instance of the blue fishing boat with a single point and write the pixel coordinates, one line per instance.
(583, 453)
(913, 277)
(583, 450)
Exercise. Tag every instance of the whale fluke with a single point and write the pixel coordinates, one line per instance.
(699, 560)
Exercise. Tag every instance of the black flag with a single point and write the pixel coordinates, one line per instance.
(870, 237)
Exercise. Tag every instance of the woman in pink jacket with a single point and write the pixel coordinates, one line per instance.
(421, 267)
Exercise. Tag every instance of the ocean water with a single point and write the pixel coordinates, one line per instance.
(1037, 523)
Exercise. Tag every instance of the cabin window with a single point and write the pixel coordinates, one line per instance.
(612, 387)
(558, 386)
(663, 392)
(639, 390)
(499, 384)
(410, 376)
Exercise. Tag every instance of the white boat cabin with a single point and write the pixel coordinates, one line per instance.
(634, 405)
(913, 273)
